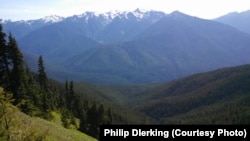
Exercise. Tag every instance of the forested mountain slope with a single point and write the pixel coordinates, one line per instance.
(217, 97)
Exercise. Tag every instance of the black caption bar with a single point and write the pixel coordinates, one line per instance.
(174, 132)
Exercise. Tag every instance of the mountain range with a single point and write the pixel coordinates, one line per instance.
(175, 67)
(131, 47)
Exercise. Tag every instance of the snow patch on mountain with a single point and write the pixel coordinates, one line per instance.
(111, 15)
(52, 19)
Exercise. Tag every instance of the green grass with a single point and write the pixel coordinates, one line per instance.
(30, 128)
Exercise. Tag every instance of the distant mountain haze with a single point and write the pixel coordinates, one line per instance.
(131, 47)
(240, 21)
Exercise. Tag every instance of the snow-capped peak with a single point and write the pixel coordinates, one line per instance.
(52, 19)
(139, 13)
(110, 15)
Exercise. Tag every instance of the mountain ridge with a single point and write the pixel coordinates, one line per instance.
(169, 48)
(239, 20)
(137, 50)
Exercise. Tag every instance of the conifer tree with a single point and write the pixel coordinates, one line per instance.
(83, 107)
(109, 116)
(32, 98)
(92, 118)
(72, 98)
(43, 83)
(101, 114)
(4, 61)
(42, 76)
(67, 96)
(19, 82)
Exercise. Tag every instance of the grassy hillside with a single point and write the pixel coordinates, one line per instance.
(221, 96)
(17, 126)
(24, 127)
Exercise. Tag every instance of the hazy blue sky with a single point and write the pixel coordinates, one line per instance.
(34, 9)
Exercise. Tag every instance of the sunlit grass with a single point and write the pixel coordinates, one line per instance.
(35, 127)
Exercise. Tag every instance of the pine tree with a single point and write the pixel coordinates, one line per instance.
(92, 120)
(4, 61)
(44, 87)
(67, 94)
(101, 115)
(109, 116)
(83, 108)
(2, 55)
(66, 87)
(72, 98)
(32, 98)
(42, 76)
(19, 81)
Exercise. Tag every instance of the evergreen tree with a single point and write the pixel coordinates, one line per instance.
(66, 87)
(101, 115)
(14, 74)
(109, 116)
(83, 108)
(71, 89)
(67, 95)
(32, 98)
(92, 120)
(42, 76)
(19, 82)
(2, 55)
(4, 61)
(72, 98)
(44, 87)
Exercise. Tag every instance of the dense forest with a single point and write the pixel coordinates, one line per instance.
(216, 97)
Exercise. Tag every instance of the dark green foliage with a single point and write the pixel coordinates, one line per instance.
(109, 117)
(4, 61)
(42, 76)
(228, 112)
(210, 98)
(92, 124)
(15, 75)
(12, 70)
(19, 80)
(72, 98)
(95, 116)
(48, 92)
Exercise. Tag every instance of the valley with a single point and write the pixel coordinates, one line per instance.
(140, 67)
